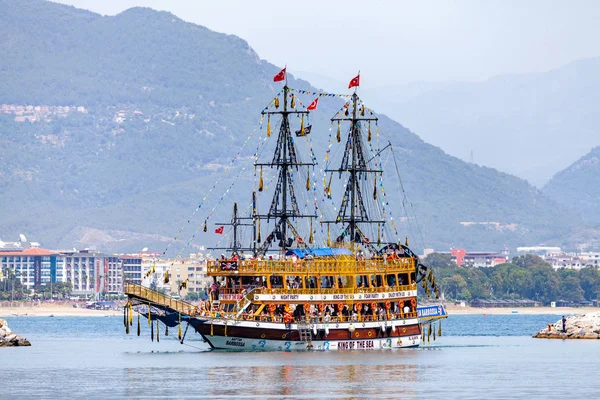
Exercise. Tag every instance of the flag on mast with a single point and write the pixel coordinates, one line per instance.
(280, 76)
(219, 230)
(313, 106)
(354, 82)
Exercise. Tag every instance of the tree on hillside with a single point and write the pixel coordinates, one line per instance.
(528, 260)
(589, 279)
(454, 286)
(439, 260)
(570, 288)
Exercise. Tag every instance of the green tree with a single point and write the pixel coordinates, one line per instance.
(589, 279)
(439, 260)
(570, 289)
(454, 286)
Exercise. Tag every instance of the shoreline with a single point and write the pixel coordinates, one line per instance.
(47, 310)
(457, 310)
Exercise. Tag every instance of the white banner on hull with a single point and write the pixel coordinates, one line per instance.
(245, 344)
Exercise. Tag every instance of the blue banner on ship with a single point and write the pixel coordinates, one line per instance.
(427, 312)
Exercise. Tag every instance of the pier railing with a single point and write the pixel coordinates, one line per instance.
(153, 297)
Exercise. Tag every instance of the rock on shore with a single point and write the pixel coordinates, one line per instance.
(577, 327)
(8, 338)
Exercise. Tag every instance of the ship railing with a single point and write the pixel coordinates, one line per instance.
(147, 295)
(329, 291)
(311, 266)
(248, 316)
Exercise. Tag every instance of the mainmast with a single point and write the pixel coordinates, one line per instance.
(353, 211)
(284, 205)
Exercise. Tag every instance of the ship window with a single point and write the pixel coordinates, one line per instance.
(327, 282)
(373, 280)
(276, 281)
(311, 282)
(390, 279)
(362, 281)
(403, 279)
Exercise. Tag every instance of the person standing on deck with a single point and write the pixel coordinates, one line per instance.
(564, 323)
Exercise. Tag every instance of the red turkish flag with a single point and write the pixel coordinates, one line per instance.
(313, 105)
(354, 82)
(280, 76)
(219, 230)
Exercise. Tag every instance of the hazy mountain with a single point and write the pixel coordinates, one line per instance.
(157, 110)
(530, 125)
(578, 186)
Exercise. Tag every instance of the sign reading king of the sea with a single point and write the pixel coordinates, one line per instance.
(335, 296)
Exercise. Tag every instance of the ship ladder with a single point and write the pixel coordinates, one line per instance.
(305, 333)
(243, 304)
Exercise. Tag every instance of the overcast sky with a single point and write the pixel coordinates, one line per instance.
(397, 41)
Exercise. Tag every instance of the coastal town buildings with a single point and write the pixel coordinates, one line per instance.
(476, 259)
(192, 272)
(132, 268)
(33, 266)
(96, 275)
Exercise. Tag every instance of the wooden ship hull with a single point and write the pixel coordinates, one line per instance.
(220, 330)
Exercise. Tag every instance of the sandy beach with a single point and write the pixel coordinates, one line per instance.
(62, 310)
(47, 310)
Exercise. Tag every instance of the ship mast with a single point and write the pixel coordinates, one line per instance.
(352, 211)
(284, 205)
(236, 221)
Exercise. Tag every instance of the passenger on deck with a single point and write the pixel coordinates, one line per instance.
(213, 291)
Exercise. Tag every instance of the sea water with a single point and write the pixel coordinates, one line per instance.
(477, 357)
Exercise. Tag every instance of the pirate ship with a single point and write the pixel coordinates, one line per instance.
(325, 276)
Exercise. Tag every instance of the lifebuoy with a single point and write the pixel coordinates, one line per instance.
(300, 240)
(272, 308)
(340, 307)
(388, 305)
(413, 302)
(306, 307)
(358, 306)
(321, 307)
(373, 307)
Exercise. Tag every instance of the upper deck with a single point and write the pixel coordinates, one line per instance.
(310, 267)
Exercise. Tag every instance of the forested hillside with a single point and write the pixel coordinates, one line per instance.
(157, 107)
(578, 186)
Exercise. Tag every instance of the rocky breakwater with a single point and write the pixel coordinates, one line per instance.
(8, 338)
(576, 327)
